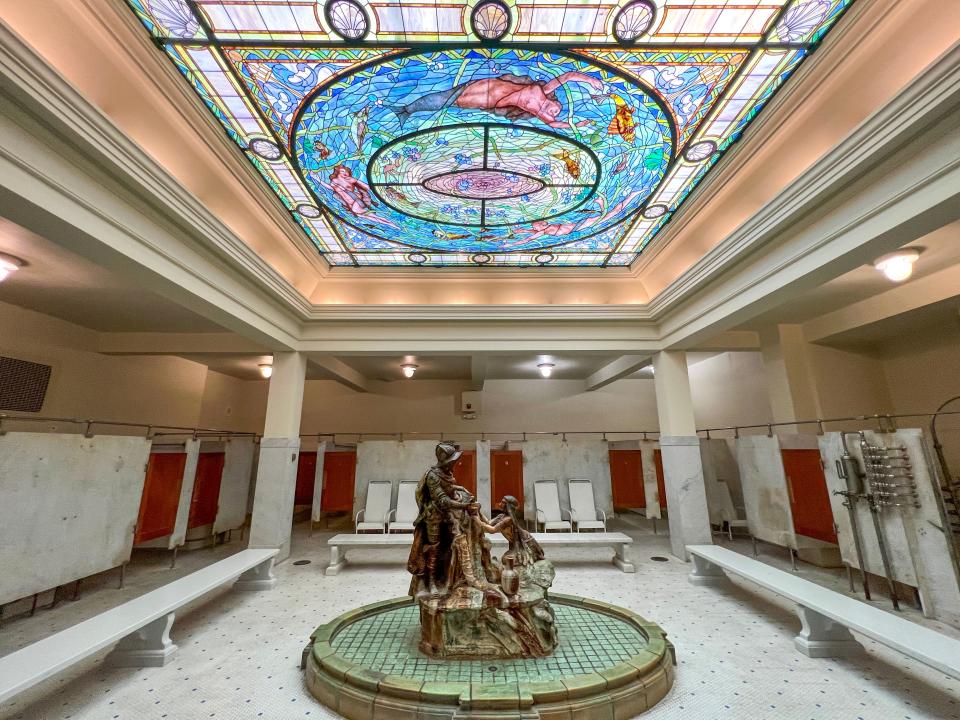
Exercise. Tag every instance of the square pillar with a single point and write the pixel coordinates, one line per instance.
(279, 452)
(680, 450)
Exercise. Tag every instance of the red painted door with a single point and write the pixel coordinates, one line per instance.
(339, 474)
(306, 475)
(465, 471)
(161, 496)
(661, 486)
(506, 475)
(626, 478)
(206, 490)
(809, 497)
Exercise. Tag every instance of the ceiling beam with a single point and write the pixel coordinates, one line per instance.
(941, 285)
(478, 371)
(145, 343)
(341, 372)
(619, 368)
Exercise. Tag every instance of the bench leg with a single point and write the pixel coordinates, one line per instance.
(338, 558)
(705, 573)
(821, 637)
(257, 578)
(620, 559)
(150, 646)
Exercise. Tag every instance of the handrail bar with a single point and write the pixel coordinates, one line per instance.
(150, 428)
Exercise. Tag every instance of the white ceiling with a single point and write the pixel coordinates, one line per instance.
(941, 249)
(56, 282)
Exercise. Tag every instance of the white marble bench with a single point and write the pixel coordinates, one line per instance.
(618, 541)
(827, 616)
(142, 625)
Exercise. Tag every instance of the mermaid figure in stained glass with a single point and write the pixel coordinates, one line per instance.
(514, 97)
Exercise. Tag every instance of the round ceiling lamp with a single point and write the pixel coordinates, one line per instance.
(9, 265)
(266, 370)
(409, 369)
(898, 266)
(546, 369)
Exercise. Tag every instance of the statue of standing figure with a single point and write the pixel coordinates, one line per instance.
(470, 604)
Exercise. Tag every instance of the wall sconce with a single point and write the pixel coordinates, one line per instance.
(409, 369)
(546, 369)
(266, 370)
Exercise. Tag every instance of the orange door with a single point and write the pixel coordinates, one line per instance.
(506, 475)
(465, 471)
(206, 490)
(306, 475)
(339, 473)
(809, 497)
(626, 478)
(661, 486)
(161, 496)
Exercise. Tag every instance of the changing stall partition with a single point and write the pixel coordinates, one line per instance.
(908, 517)
(721, 476)
(562, 460)
(627, 459)
(772, 497)
(70, 505)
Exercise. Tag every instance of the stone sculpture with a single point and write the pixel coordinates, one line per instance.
(472, 606)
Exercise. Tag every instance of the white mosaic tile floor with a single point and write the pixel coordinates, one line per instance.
(239, 652)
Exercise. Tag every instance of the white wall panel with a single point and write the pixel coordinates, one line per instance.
(69, 507)
(234, 484)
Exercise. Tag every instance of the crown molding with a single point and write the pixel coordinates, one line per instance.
(52, 103)
(495, 313)
(859, 19)
(934, 95)
(157, 70)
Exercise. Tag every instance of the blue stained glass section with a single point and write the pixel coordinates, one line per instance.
(373, 145)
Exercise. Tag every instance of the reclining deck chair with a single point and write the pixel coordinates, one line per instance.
(406, 510)
(376, 509)
(549, 512)
(583, 507)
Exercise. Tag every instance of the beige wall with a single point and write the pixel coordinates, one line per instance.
(921, 378)
(86, 384)
(849, 383)
(730, 389)
(174, 391)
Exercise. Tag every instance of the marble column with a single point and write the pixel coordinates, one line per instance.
(279, 451)
(483, 476)
(680, 451)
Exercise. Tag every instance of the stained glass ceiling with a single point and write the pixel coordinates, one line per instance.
(489, 132)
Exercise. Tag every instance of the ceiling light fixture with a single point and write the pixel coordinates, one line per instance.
(546, 369)
(898, 266)
(409, 369)
(9, 265)
(266, 370)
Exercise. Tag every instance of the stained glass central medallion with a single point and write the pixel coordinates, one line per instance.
(497, 133)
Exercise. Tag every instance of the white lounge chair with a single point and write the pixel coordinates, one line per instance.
(549, 512)
(583, 508)
(406, 510)
(377, 507)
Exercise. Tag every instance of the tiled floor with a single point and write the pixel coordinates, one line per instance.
(239, 652)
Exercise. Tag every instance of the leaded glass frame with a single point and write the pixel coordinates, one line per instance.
(419, 144)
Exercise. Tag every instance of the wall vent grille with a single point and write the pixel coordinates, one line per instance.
(23, 384)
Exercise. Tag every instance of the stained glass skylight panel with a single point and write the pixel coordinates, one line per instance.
(558, 133)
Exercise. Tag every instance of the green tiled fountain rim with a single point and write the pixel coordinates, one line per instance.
(657, 652)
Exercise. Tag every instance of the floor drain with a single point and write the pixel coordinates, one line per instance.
(492, 668)
(302, 562)
(655, 558)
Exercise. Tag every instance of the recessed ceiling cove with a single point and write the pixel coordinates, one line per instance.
(485, 134)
